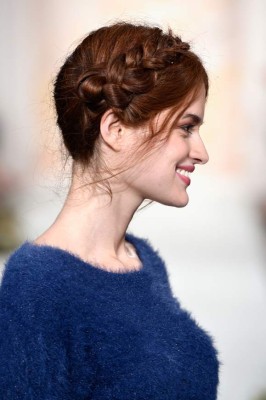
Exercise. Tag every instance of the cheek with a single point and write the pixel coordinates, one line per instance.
(181, 148)
(159, 167)
(150, 175)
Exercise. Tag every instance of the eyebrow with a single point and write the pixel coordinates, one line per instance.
(196, 119)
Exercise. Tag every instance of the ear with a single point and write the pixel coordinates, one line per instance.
(111, 130)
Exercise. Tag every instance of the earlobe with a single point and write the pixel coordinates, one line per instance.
(111, 130)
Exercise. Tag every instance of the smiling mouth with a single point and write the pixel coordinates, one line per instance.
(183, 172)
(184, 176)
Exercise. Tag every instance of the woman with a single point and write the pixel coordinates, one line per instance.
(87, 311)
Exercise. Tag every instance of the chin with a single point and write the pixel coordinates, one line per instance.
(181, 204)
(178, 200)
(181, 201)
(178, 203)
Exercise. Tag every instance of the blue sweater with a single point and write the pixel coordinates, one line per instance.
(73, 331)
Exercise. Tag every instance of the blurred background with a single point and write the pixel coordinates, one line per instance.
(214, 248)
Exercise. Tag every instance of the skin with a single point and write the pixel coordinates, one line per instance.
(92, 227)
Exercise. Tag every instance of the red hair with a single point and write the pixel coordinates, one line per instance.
(135, 70)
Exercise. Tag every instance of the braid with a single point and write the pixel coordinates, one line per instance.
(128, 74)
(135, 70)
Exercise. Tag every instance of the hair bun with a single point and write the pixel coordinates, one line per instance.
(90, 88)
(136, 70)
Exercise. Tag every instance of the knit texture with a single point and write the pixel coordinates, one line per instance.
(71, 330)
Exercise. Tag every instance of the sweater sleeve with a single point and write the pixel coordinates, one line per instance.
(42, 355)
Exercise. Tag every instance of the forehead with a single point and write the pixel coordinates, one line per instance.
(193, 112)
(195, 108)
(198, 104)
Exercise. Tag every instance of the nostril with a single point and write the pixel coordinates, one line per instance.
(198, 161)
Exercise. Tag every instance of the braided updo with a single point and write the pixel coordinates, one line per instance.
(136, 70)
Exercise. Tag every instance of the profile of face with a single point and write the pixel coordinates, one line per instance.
(156, 177)
(108, 97)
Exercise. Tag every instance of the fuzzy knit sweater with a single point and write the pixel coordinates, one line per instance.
(71, 330)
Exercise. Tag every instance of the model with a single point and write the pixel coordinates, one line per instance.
(87, 311)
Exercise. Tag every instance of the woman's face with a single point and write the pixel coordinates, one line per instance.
(155, 177)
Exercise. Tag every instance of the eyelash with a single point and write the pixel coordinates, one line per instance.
(187, 128)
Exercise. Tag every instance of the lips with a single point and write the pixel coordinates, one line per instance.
(189, 168)
(184, 177)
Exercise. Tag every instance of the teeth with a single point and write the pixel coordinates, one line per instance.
(182, 172)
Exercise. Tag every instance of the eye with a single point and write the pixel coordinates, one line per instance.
(188, 128)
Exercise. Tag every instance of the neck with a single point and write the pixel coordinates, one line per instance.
(92, 226)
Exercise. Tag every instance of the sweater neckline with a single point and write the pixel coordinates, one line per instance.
(97, 268)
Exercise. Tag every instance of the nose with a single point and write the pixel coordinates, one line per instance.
(198, 151)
